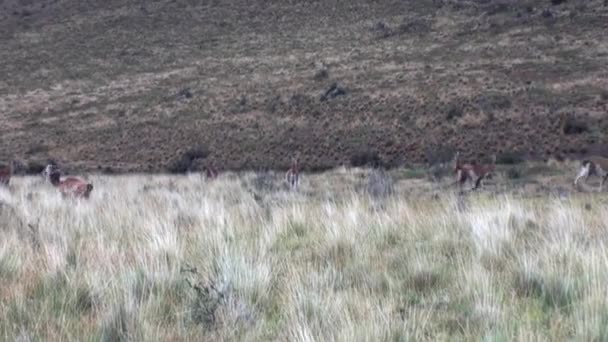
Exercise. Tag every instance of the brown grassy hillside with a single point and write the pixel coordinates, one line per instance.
(132, 85)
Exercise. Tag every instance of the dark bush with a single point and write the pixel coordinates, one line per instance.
(557, 2)
(184, 163)
(37, 149)
(185, 93)
(416, 26)
(510, 158)
(439, 155)
(382, 30)
(498, 8)
(514, 173)
(574, 126)
(494, 101)
(198, 152)
(365, 158)
(107, 170)
(181, 165)
(273, 104)
(34, 168)
(454, 111)
(321, 75)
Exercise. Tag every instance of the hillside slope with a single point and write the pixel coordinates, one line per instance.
(132, 85)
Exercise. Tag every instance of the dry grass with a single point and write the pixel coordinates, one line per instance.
(180, 258)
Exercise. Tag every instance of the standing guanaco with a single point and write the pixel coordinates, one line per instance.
(6, 172)
(293, 174)
(474, 172)
(593, 166)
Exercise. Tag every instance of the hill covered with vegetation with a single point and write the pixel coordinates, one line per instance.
(137, 85)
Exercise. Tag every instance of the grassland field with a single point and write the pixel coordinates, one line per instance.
(353, 255)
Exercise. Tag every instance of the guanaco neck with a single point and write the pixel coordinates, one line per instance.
(54, 178)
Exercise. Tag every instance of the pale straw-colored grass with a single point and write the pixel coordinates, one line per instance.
(182, 258)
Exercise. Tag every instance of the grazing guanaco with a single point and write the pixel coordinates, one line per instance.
(6, 172)
(593, 166)
(474, 172)
(211, 172)
(293, 174)
(70, 186)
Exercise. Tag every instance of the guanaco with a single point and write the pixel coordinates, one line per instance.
(70, 186)
(211, 172)
(474, 172)
(293, 174)
(7, 171)
(593, 166)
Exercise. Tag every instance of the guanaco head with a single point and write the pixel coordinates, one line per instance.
(589, 165)
(295, 161)
(52, 173)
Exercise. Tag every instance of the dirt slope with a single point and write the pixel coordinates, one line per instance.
(132, 85)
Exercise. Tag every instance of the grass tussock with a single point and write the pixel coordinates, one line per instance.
(184, 258)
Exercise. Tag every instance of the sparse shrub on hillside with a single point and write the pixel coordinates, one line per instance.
(439, 154)
(494, 101)
(366, 157)
(498, 7)
(514, 173)
(411, 26)
(510, 158)
(184, 163)
(453, 112)
(321, 74)
(382, 30)
(414, 26)
(273, 104)
(572, 125)
(185, 93)
(34, 168)
(37, 149)
(181, 165)
(300, 101)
